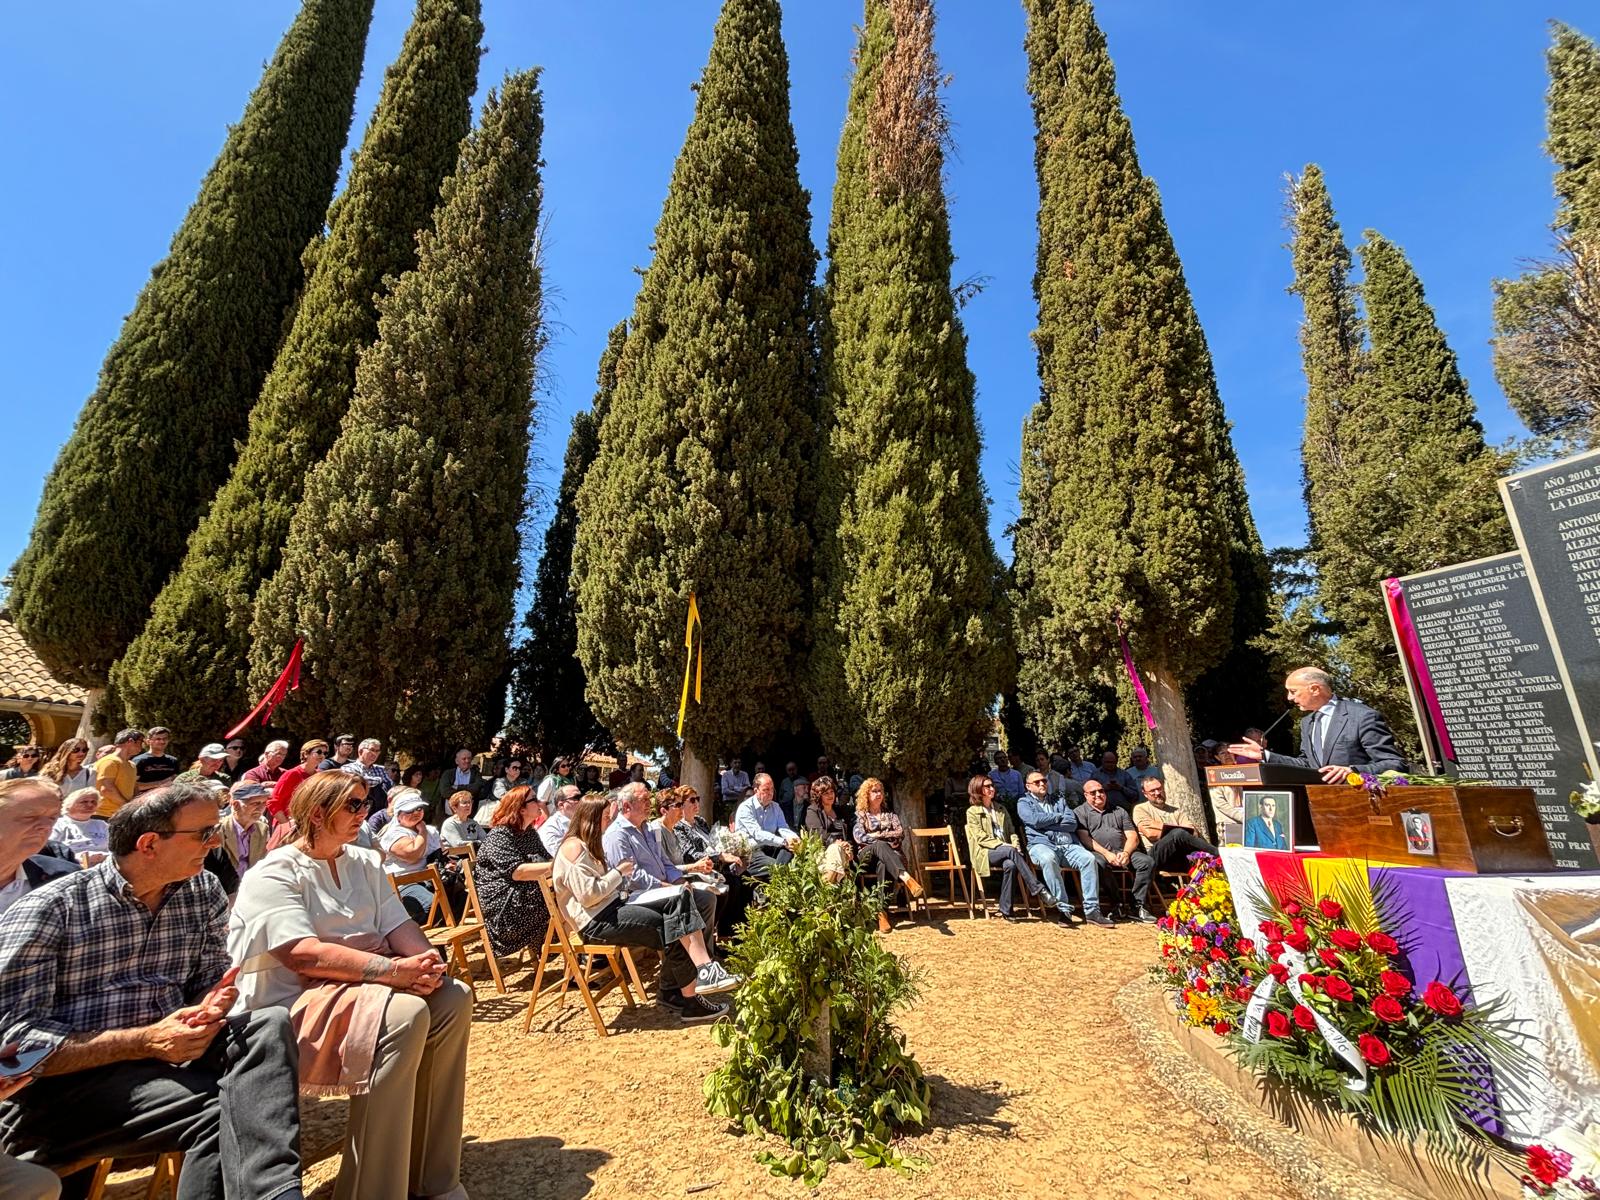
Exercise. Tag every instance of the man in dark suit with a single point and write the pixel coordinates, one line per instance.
(1336, 733)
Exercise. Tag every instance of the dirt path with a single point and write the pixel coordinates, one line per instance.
(1038, 1091)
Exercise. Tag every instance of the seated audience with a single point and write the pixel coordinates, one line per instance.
(881, 839)
(373, 772)
(283, 791)
(629, 838)
(561, 774)
(1108, 832)
(827, 824)
(1055, 782)
(407, 843)
(760, 820)
(461, 828)
(1052, 832)
(121, 973)
(1141, 768)
(792, 811)
(1077, 768)
(244, 834)
(317, 930)
(68, 767)
(666, 808)
(207, 764)
(78, 830)
(698, 840)
(1007, 779)
(734, 782)
(270, 768)
(29, 810)
(1120, 789)
(114, 776)
(511, 858)
(510, 778)
(1227, 801)
(233, 767)
(1168, 836)
(992, 844)
(554, 828)
(594, 902)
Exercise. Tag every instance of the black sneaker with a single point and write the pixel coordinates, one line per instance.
(1098, 918)
(1011, 917)
(1146, 917)
(672, 1000)
(697, 1011)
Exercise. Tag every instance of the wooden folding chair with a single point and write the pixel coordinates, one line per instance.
(949, 866)
(980, 897)
(165, 1175)
(455, 935)
(439, 912)
(466, 850)
(563, 943)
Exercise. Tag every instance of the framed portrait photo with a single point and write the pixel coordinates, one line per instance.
(1418, 828)
(1268, 820)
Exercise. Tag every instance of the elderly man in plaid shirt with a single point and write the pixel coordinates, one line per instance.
(119, 973)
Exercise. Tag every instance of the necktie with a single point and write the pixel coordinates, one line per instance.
(1318, 721)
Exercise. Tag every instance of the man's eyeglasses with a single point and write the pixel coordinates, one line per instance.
(204, 834)
(1096, 792)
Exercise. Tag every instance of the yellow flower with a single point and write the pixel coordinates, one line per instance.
(1353, 779)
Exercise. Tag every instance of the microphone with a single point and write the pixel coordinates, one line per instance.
(1276, 723)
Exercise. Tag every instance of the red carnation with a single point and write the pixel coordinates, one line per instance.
(1222, 1027)
(1331, 909)
(1542, 1165)
(1330, 958)
(1279, 972)
(1272, 931)
(1374, 1050)
(1292, 908)
(1200, 985)
(1218, 954)
(1337, 988)
(1197, 943)
(1345, 939)
(1277, 1024)
(1298, 940)
(1383, 943)
(1395, 983)
(1387, 1008)
(1304, 1017)
(1308, 981)
(1442, 1000)
(1242, 993)
(1166, 951)
(1244, 946)
(1274, 950)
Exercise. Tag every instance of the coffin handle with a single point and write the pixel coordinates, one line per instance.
(1506, 827)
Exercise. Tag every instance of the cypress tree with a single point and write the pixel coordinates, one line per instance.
(699, 486)
(1124, 491)
(402, 581)
(188, 668)
(1398, 478)
(548, 706)
(911, 638)
(1547, 343)
(157, 437)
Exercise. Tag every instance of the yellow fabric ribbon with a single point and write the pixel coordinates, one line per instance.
(690, 655)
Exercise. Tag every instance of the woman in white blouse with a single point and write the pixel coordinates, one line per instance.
(317, 928)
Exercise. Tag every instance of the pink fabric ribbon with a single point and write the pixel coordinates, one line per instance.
(1133, 675)
(1411, 651)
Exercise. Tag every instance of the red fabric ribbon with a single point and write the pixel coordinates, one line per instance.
(288, 680)
(1411, 651)
(1133, 675)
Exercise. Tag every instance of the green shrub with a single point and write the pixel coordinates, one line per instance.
(812, 944)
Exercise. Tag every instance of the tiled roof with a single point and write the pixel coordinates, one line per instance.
(24, 677)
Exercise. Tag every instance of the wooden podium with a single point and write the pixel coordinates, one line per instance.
(1476, 829)
(1274, 777)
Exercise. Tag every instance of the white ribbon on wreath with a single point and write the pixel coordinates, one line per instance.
(1255, 1016)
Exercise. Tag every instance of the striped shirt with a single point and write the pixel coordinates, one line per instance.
(82, 955)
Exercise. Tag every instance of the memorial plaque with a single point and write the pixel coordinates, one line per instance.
(1498, 689)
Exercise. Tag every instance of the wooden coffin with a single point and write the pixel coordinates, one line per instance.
(1482, 830)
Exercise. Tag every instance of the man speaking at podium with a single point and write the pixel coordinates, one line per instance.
(1336, 733)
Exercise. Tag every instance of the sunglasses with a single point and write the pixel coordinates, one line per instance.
(356, 806)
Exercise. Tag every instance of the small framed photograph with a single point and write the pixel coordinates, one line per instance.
(1419, 833)
(1268, 819)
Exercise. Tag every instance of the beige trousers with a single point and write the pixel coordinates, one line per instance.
(24, 1181)
(405, 1133)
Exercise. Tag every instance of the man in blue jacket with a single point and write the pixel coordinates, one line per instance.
(1053, 844)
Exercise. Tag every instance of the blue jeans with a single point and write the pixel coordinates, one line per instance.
(1050, 859)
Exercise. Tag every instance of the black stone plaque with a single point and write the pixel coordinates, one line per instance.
(1494, 675)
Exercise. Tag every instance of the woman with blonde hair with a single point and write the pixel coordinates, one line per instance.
(594, 900)
(511, 858)
(881, 839)
(317, 929)
(68, 767)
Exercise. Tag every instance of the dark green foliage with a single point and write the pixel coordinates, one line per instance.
(1299, 633)
(402, 563)
(548, 706)
(188, 668)
(1125, 481)
(700, 480)
(810, 951)
(911, 639)
(1547, 343)
(1398, 476)
(157, 437)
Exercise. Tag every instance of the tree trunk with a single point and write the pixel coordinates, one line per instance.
(911, 805)
(697, 774)
(1174, 750)
(91, 701)
(817, 1061)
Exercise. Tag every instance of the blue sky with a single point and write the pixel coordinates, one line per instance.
(1427, 118)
